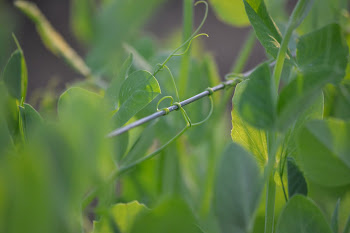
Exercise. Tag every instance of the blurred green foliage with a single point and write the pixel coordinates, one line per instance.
(59, 172)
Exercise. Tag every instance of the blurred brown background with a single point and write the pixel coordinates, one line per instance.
(224, 40)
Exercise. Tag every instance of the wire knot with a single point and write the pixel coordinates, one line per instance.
(210, 90)
(178, 105)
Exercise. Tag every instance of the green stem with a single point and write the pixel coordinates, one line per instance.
(347, 226)
(244, 53)
(187, 32)
(270, 204)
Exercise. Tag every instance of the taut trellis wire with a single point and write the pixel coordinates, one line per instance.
(207, 92)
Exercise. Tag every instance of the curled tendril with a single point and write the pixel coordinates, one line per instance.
(165, 109)
(189, 40)
(209, 114)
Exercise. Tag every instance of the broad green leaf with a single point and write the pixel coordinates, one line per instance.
(112, 92)
(296, 180)
(335, 218)
(324, 152)
(265, 28)
(230, 11)
(252, 139)
(171, 216)
(120, 215)
(137, 91)
(253, 99)
(303, 216)
(30, 117)
(322, 57)
(237, 190)
(52, 39)
(15, 75)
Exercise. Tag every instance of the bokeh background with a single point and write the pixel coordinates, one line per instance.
(46, 70)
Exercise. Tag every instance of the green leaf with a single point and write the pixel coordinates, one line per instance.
(296, 180)
(303, 216)
(171, 216)
(120, 215)
(252, 139)
(137, 91)
(322, 58)
(300, 12)
(52, 39)
(324, 152)
(231, 12)
(253, 99)
(335, 218)
(265, 28)
(30, 117)
(15, 75)
(82, 19)
(237, 190)
(112, 92)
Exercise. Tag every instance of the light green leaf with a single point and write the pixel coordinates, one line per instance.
(324, 152)
(82, 19)
(15, 75)
(122, 215)
(300, 12)
(237, 190)
(52, 39)
(112, 92)
(303, 216)
(137, 91)
(171, 216)
(265, 28)
(253, 99)
(296, 180)
(322, 58)
(252, 139)
(231, 12)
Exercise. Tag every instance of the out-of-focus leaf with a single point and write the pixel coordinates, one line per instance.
(253, 99)
(265, 28)
(296, 180)
(138, 90)
(112, 92)
(303, 216)
(31, 118)
(231, 12)
(107, 44)
(120, 215)
(299, 13)
(335, 218)
(82, 19)
(237, 190)
(252, 139)
(15, 75)
(322, 58)
(52, 39)
(171, 216)
(324, 152)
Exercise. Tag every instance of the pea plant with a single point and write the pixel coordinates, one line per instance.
(142, 143)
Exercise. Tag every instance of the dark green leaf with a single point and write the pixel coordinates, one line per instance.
(171, 216)
(30, 118)
(265, 28)
(137, 91)
(303, 216)
(112, 92)
(322, 58)
(296, 180)
(335, 218)
(15, 75)
(253, 99)
(237, 190)
(324, 152)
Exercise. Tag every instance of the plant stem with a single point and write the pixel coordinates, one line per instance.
(347, 226)
(187, 32)
(270, 204)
